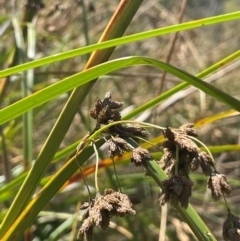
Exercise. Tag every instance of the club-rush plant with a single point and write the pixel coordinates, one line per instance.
(181, 155)
(26, 194)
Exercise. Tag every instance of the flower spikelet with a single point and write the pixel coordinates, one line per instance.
(117, 146)
(178, 140)
(188, 129)
(231, 228)
(105, 111)
(130, 130)
(141, 156)
(206, 163)
(219, 185)
(99, 211)
(190, 157)
(176, 189)
(121, 203)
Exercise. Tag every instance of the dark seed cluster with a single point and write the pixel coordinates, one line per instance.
(218, 185)
(141, 156)
(99, 211)
(231, 228)
(180, 157)
(105, 111)
(190, 157)
(117, 146)
(177, 189)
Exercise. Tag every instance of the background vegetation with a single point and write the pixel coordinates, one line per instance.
(60, 26)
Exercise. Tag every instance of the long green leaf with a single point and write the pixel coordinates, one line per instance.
(50, 189)
(121, 41)
(116, 27)
(155, 101)
(86, 76)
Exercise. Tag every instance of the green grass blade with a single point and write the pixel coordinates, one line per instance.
(28, 86)
(121, 41)
(116, 28)
(27, 117)
(155, 101)
(84, 77)
(50, 189)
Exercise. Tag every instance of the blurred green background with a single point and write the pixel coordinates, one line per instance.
(64, 25)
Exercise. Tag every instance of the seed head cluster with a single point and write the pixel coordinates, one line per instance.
(181, 156)
(99, 211)
(190, 157)
(231, 228)
(141, 156)
(218, 185)
(117, 146)
(106, 111)
(177, 189)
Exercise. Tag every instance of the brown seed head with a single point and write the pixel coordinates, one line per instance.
(96, 109)
(126, 131)
(188, 129)
(176, 189)
(194, 164)
(117, 146)
(187, 161)
(99, 211)
(104, 111)
(107, 101)
(206, 163)
(141, 156)
(170, 139)
(188, 151)
(219, 185)
(231, 228)
(175, 136)
(135, 130)
(121, 203)
(167, 163)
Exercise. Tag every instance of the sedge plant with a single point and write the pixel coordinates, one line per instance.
(177, 154)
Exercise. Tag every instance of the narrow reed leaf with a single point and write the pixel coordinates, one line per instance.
(88, 75)
(121, 41)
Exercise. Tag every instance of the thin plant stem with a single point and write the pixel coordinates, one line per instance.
(79, 148)
(173, 43)
(115, 172)
(114, 168)
(149, 142)
(104, 128)
(163, 223)
(96, 169)
(79, 167)
(225, 200)
(75, 222)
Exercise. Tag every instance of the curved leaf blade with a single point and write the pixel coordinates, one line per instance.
(90, 74)
(121, 41)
